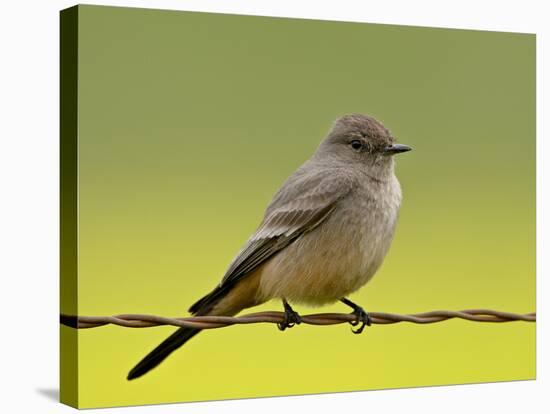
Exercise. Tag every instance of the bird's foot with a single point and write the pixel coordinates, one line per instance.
(291, 317)
(361, 316)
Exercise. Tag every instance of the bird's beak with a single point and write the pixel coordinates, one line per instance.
(396, 149)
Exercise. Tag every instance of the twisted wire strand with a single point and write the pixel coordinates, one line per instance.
(212, 322)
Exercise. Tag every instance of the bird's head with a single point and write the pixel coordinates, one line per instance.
(361, 139)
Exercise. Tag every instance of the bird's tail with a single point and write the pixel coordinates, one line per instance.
(157, 355)
(203, 307)
(217, 302)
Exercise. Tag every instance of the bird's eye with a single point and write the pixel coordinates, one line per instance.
(356, 144)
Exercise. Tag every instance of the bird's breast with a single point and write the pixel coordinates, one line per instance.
(340, 255)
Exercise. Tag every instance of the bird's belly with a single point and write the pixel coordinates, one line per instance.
(330, 262)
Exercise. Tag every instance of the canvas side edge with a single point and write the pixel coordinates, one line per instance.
(68, 337)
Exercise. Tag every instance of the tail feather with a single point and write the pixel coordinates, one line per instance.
(157, 355)
(208, 305)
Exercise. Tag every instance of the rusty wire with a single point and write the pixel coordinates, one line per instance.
(211, 322)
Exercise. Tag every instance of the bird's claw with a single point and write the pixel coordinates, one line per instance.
(361, 317)
(291, 318)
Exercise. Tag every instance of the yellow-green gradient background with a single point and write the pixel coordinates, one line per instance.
(189, 122)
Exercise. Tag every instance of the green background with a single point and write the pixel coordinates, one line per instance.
(189, 122)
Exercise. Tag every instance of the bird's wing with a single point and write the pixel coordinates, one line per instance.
(295, 210)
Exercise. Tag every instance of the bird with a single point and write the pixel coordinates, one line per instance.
(323, 236)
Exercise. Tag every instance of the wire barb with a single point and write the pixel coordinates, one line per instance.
(212, 322)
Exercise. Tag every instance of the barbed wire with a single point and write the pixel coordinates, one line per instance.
(212, 322)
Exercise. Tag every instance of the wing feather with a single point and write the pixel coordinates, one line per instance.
(290, 215)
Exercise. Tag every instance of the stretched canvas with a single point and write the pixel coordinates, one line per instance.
(177, 130)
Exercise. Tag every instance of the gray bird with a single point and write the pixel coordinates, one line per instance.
(323, 236)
